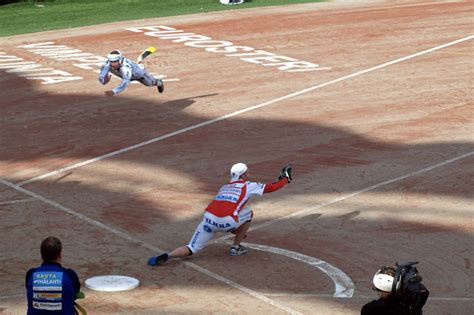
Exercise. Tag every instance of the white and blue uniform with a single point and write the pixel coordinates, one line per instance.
(226, 213)
(128, 71)
(51, 289)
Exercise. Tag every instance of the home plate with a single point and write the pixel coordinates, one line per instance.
(112, 283)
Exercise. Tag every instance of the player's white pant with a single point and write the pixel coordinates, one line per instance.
(211, 224)
(146, 78)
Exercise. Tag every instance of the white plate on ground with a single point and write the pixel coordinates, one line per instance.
(112, 283)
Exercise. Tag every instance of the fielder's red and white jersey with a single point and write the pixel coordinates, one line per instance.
(232, 197)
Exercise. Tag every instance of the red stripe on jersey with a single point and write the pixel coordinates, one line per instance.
(269, 187)
(221, 208)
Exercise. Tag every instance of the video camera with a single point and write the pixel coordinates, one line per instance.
(404, 271)
(411, 292)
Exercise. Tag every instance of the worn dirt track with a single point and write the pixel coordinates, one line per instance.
(383, 157)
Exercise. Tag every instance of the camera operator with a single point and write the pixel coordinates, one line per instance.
(388, 303)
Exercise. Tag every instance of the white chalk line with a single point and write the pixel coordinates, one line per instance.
(9, 202)
(255, 294)
(344, 287)
(239, 112)
(302, 295)
(132, 239)
(296, 295)
(357, 297)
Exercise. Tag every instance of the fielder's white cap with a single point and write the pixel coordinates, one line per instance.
(384, 282)
(237, 170)
(114, 55)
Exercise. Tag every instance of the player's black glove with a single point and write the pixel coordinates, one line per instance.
(286, 172)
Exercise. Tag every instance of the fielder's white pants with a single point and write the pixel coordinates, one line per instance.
(211, 224)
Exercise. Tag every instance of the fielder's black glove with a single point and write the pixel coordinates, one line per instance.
(286, 172)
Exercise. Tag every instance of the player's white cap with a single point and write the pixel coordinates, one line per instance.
(237, 170)
(114, 55)
(384, 282)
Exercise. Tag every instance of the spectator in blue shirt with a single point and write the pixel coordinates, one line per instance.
(51, 289)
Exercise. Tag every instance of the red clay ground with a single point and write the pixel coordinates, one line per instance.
(382, 159)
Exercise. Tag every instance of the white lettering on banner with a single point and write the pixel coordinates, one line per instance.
(34, 71)
(9, 58)
(47, 281)
(195, 238)
(226, 198)
(22, 67)
(61, 52)
(86, 61)
(47, 45)
(47, 296)
(58, 79)
(218, 225)
(265, 58)
(49, 306)
(229, 193)
(230, 49)
(47, 287)
(204, 44)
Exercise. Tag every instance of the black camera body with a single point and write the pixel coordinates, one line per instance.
(411, 292)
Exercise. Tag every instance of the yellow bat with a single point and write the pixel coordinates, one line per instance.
(146, 53)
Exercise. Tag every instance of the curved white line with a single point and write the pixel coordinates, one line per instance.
(344, 285)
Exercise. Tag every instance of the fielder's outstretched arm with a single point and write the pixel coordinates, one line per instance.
(270, 187)
(283, 179)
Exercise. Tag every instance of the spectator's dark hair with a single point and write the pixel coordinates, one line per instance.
(51, 249)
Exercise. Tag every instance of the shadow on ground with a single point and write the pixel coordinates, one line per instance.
(41, 128)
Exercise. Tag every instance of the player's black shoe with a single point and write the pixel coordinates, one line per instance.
(157, 260)
(238, 250)
(160, 85)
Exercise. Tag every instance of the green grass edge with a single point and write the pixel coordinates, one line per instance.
(31, 17)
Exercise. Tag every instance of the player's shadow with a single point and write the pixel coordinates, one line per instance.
(180, 104)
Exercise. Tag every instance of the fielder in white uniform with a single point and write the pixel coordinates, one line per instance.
(128, 71)
(227, 213)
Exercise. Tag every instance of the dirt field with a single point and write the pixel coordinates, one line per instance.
(371, 102)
